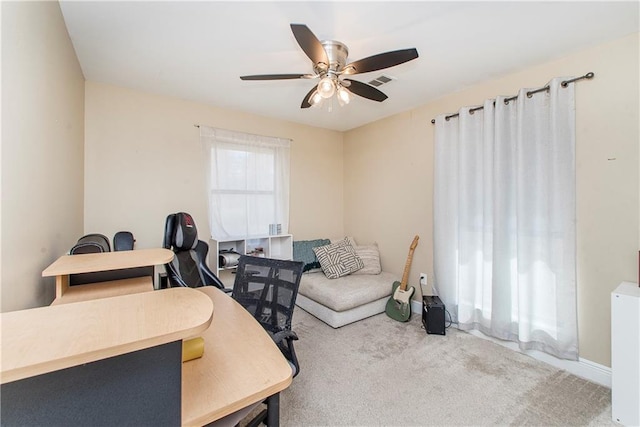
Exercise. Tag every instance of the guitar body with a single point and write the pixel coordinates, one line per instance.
(400, 309)
(399, 305)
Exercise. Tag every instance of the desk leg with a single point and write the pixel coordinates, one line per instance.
(62, 284)
(273, 410)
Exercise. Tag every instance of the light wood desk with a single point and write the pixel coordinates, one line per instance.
(241, 365)
(66, 265)
(110, 361)
(112, 288)
(45, 339)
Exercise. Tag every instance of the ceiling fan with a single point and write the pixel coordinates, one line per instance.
(330, 65)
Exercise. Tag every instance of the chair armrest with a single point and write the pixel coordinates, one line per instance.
(278, 337)
(284, 340)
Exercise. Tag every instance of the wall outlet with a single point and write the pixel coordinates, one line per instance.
(423, 279)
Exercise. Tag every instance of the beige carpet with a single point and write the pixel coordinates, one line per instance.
(382, 372)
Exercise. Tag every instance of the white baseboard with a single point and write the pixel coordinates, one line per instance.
(416, 307)
(583, 368)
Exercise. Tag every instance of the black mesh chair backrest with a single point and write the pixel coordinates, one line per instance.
(123, 241)
(268, 288)
(91, 244)
(188, 267)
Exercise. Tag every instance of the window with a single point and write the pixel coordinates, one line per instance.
(248, 182)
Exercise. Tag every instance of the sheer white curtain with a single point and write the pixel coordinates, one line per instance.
(248, 182)
(504, 219)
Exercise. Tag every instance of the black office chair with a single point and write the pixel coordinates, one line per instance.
(268, 288)
(91, 244)
(123, 241)
(189, 265)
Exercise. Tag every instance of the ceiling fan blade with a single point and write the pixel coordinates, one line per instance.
(310, 44)
(366, 91)
(305, 101)
(380, 61)
(277, 76)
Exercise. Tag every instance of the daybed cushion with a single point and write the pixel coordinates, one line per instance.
(346, 292)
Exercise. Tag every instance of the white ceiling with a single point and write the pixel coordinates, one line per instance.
(198, 50)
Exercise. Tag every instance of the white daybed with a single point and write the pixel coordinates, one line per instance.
(347, 299)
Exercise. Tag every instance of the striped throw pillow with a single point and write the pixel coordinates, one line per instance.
(338, 259)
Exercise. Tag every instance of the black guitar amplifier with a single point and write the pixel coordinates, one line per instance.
(433, 315)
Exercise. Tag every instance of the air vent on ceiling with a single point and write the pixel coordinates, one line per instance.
(379, 81)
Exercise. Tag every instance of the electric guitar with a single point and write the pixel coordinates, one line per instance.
(399, 304)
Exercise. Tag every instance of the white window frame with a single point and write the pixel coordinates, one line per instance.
(227, 217)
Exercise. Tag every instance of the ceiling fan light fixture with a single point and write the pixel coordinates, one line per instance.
(329, 61)
(326, 87)
(343, 96)
(315, 99)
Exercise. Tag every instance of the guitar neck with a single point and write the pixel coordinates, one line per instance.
(405, 274)
(407, 265)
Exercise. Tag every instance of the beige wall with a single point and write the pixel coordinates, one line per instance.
(389, 178)
(144, 160)
(42, 149)
(388, 190)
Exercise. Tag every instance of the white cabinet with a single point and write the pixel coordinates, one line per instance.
(625, 354)
(270, 246)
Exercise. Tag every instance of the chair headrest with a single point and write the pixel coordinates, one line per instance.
(91, 243)
(185, 235)
(123, 241)
(86, 248)
(169, 226)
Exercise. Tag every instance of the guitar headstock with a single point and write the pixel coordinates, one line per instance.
(415, 242)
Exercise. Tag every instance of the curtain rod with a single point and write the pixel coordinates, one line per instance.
(529, 95)
(247, 133)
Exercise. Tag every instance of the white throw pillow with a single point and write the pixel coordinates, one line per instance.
(350, 239)
(370, 256)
